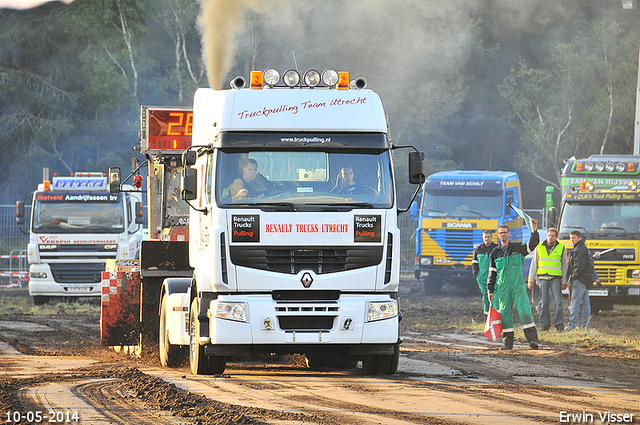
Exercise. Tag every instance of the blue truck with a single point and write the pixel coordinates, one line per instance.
(455, 208)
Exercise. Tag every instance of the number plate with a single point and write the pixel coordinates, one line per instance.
(598, 293)
(79, 289)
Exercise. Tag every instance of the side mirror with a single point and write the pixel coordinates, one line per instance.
(20, 213)
(189, 158)
(552, 216)
(139, 213)
(417, 168)
(114, 179)
(415, 207)
(549, 190)
(189, 189)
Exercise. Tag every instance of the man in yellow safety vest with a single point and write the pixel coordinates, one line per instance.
(549, 271)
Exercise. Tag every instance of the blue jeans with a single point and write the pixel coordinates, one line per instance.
(555, 285)
(580, 305)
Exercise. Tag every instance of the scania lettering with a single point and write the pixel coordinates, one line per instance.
(76, 226)
(601, 199)
(457, 206)
(285, 258)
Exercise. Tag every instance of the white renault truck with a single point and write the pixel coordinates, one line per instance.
(293, 233)
(76, 225)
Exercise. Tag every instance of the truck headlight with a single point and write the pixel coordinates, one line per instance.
(378, 310)
(38, 275)
(426, 261)
(229, 310)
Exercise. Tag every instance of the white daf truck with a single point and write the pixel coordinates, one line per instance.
(293, 232)
(76, 225)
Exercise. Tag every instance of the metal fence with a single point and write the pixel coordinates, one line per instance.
(13, 246)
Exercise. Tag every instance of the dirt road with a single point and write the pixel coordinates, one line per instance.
(54, 367)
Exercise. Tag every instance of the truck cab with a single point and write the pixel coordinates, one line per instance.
(76, 226)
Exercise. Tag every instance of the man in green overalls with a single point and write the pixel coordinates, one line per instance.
(506, 279)
(480, 266)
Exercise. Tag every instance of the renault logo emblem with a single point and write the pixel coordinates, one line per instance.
(306, 280)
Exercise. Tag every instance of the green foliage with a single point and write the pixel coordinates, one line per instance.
(73, 77)
(579, 105)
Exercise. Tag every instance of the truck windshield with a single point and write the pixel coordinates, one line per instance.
(462, 203)
(78, 217)
(601, 219)
(304, 180)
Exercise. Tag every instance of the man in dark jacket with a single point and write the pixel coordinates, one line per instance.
(506, 279)
(582, 275)
(480, 266)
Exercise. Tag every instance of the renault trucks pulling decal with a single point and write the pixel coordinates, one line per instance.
(245, 228)
(367, 228)
(249, 228)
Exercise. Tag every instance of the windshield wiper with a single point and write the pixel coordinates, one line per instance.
(343, 205)
(272, 206)
(616, 228)
(442, 213)
(460, 213)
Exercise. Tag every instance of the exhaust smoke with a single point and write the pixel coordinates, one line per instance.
(219, 23)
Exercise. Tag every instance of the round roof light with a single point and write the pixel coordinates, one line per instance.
(588, 166)
(311, 78)
(291, 78)
(330, 77)
(588, 186)
(599, 166)
(610, 167)
(271, 77)
(620, 167)
(631, 185)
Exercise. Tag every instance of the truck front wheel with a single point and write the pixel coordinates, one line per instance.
(386, 364)
(170, 355)
(200, 363)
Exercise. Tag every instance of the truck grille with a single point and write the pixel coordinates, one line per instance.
(294, 260)
(458, 244)
(306, 323)
(320, 260)
(77, 273)
(610, 275)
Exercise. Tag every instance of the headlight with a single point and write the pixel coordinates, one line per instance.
(291, 78)
(311, 78)
(426, 261)
(38, 275)
(330, 77)
(378, 310)
(229, 310)
(271, 77)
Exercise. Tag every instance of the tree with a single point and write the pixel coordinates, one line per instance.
(579, 105)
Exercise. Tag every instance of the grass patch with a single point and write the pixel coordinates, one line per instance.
(618, 329)
(10, 306)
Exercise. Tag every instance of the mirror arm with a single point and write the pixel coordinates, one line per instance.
(413, 198)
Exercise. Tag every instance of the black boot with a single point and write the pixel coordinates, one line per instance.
(532, 336)
(507, 341)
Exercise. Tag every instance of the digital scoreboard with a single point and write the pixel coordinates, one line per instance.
(165, 129)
